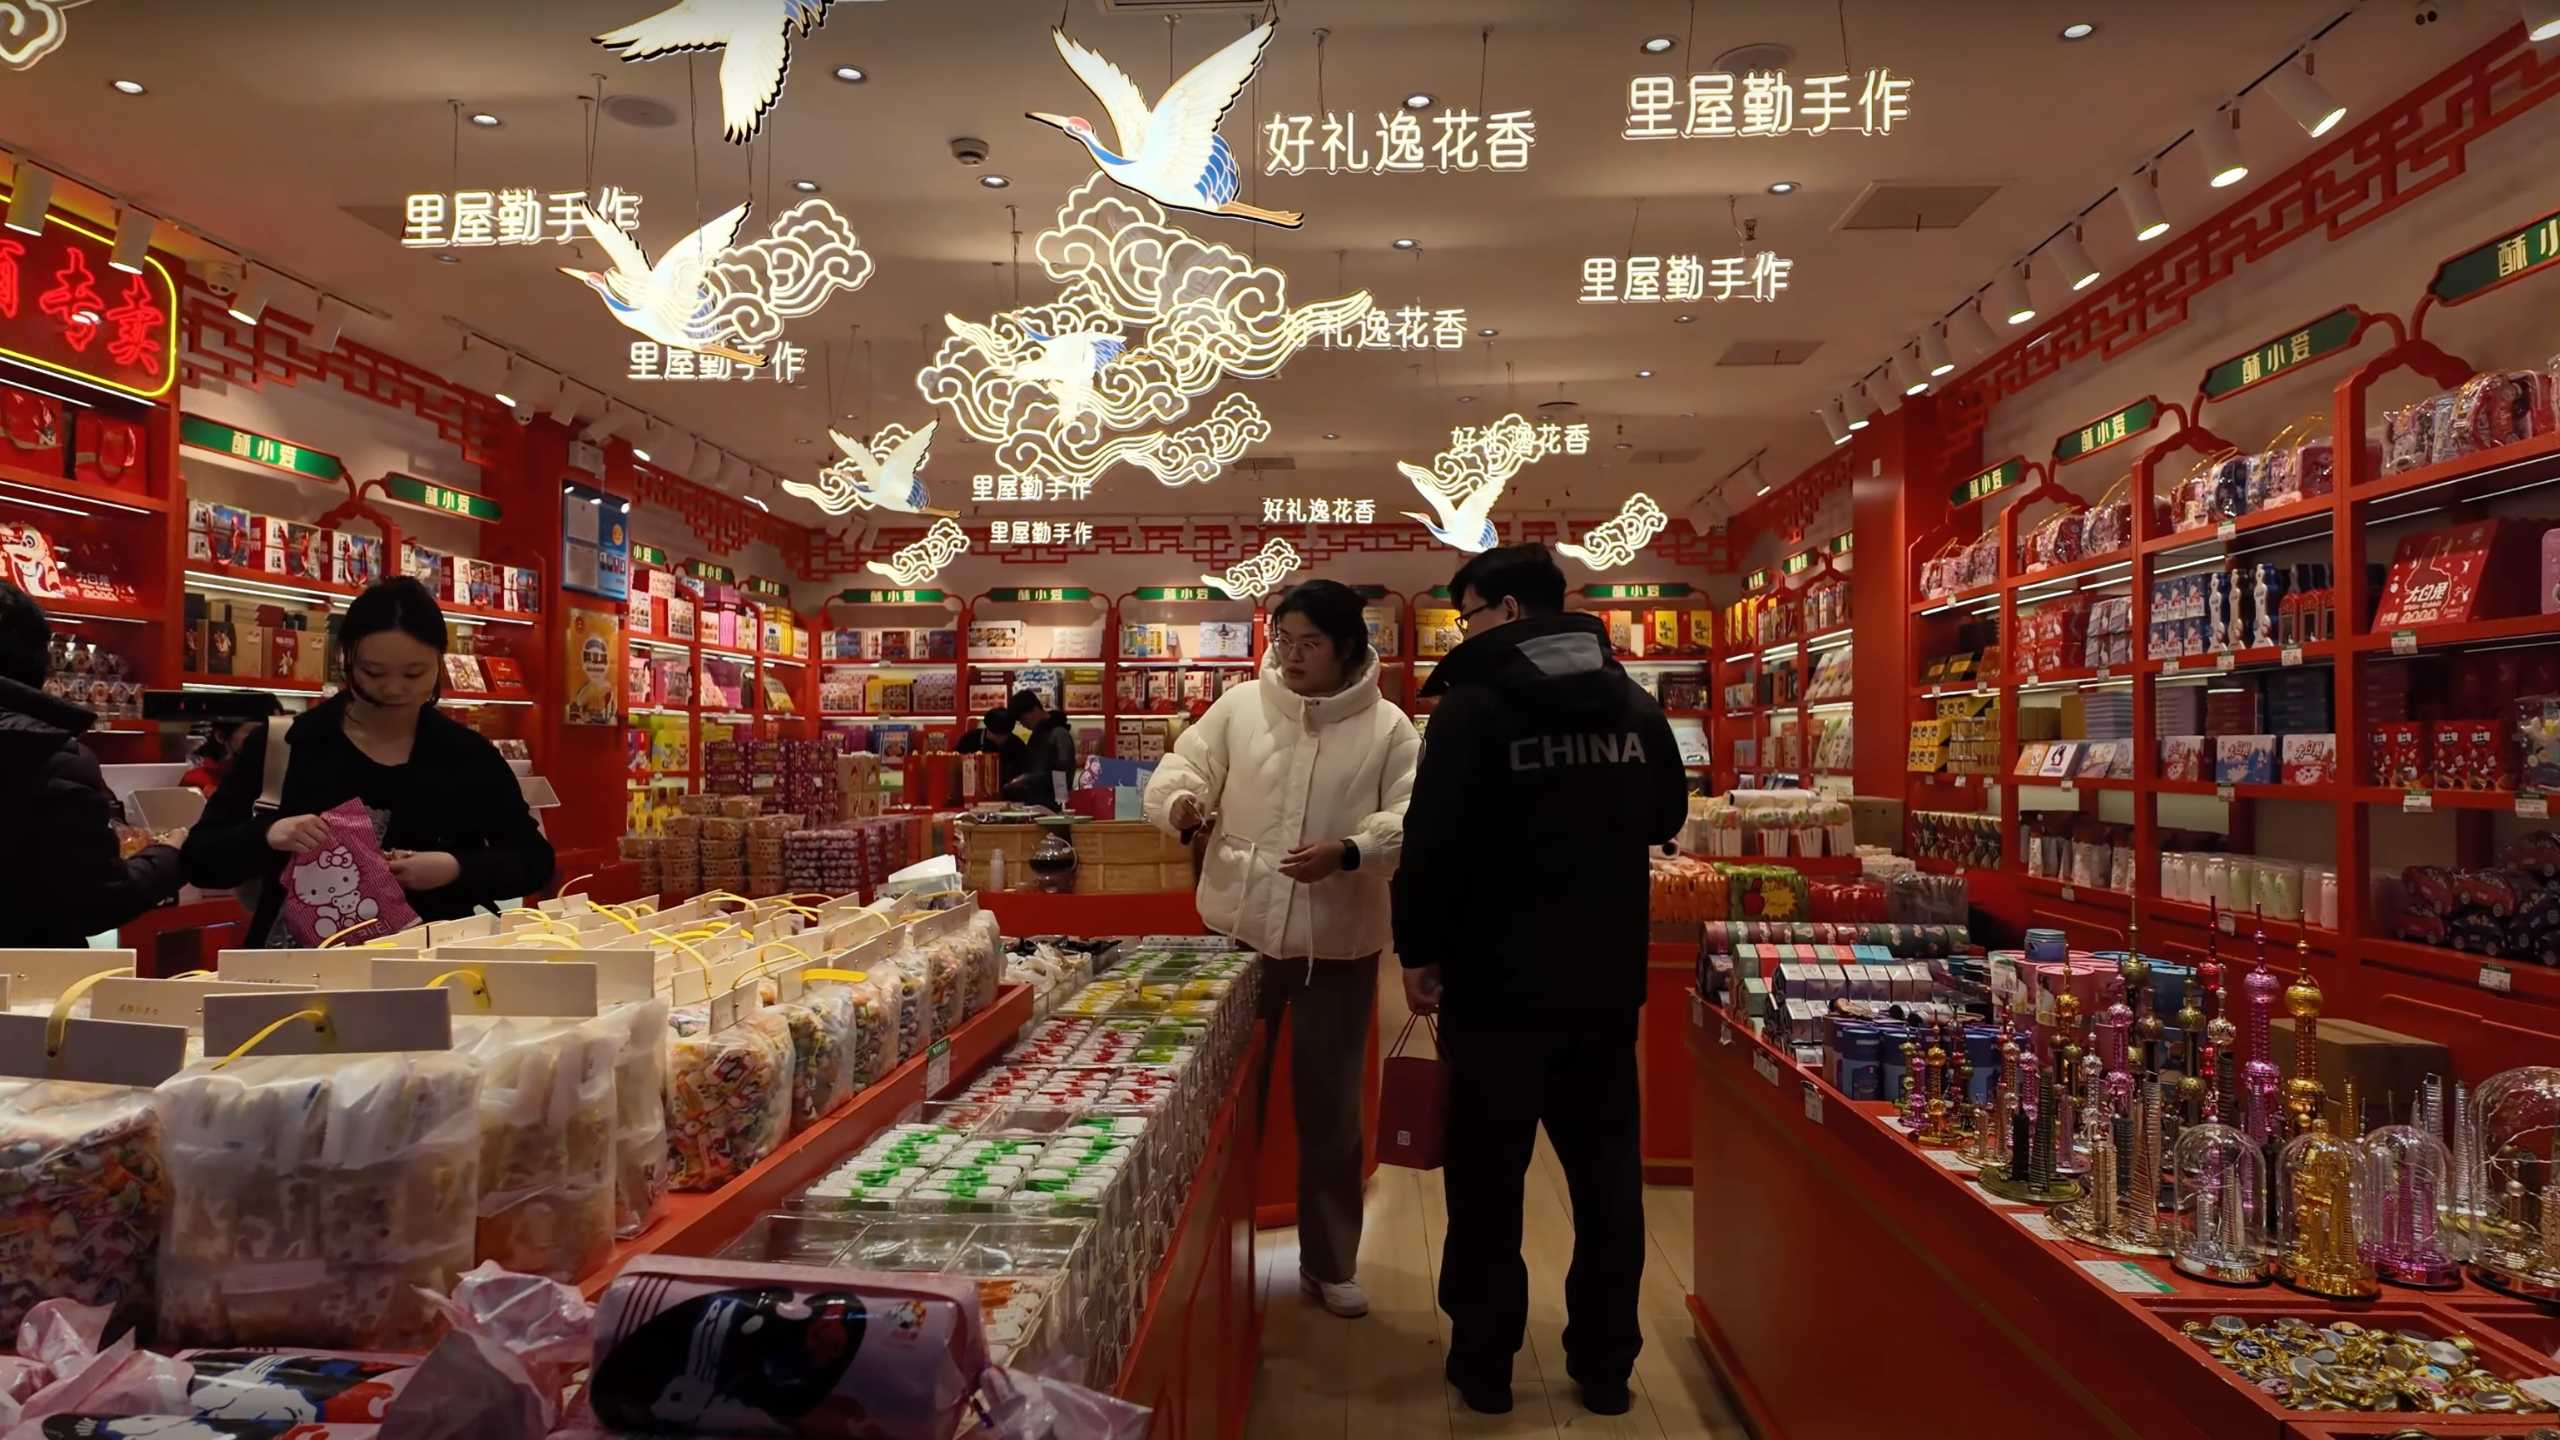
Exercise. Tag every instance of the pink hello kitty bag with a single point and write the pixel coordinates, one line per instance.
(345, 883)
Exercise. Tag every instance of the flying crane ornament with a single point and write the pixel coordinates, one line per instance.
(1465, 482)
(1259, 574)
(1615, 541)
(753, 36)
(1171, 152)
(1064, 363)
(869, 478)
(712, 296)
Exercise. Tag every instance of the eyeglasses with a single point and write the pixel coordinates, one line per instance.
(1289, 645)
(1467, 618)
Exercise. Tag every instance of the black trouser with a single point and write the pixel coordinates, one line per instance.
(1577, 1074)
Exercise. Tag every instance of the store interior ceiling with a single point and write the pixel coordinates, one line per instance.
(292, 130)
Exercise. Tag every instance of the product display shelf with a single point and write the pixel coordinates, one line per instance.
(2494, 801)
(2466, 632)
(911, 609)
(206, 574)
(2262, 657)
(114, 499)
(699, 1223)
(1183, 607)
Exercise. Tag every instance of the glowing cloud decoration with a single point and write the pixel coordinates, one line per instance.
(1171, 152)
(1259, 575)
(1616, 540)
(869, 479)
(31, 29)
(1192, 315)
(915, 564)
(754, 37)
(1465, 482)
(712, 297)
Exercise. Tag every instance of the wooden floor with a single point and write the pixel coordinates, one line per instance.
(1378, 1377)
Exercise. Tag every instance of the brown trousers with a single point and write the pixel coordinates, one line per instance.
(1328, 1046)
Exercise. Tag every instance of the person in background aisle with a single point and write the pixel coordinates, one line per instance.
(994, 736)
(1520, 918)
(214, 753)
(63, 874)
(1302, 776)
(1050, 752)
(447, 810)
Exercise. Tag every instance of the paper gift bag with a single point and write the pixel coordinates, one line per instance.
(344, 883)
(1413, 1104)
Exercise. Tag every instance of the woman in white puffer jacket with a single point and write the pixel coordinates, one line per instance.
(1302, 776)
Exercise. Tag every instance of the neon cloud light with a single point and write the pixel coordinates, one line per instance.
(34, 30)
(1259, 574)
(878, 476)
(1615, 541)
(915, 564)
(1046, 386)
(1465, 482)
(714, 297)
(1171, 152)
(754, 37)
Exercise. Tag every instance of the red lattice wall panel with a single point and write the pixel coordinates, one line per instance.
(215, 345)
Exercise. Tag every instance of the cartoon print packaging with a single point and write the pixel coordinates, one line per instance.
(344, 884)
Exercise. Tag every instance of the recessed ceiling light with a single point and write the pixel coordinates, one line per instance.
(1487, 332)
(1466, 399)
(994, 182)
(1624, 445)
(1782, 187)
(1418, 100)
(805, 187)
(1656, 44)
(1684, 319)
(485, 120)
(1644, 374)
(1408, 243)
(127, 87)
(802, 440)
(1330, 435)
(447, 257)
(851, 74)
(2078, 30)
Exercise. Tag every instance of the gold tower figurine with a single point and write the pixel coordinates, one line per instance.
(2303, 1093)
(2321, 1207)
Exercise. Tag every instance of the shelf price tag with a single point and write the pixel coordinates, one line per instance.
(1697, 1010)
(2497, 978)
(2404, 642)
(2225, 660)
(2030, 680)
(2545, 1388)
(2418, 802)
(2230, 923)
(2126, 1278)
(2103, 673)
(2069, 893)
(937, 1067)
(2169, 667)
(1812, 1103)
(2071, 785)
(2225, 793)
(2292, 655)
(1724, 1033)
(1767, 1067)
(2226, 529)
(2535, 806)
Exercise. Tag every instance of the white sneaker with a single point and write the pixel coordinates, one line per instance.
(1347, 1299)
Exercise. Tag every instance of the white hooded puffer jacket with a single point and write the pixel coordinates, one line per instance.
(1281, 770)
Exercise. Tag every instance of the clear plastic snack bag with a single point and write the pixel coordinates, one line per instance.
(83, 1196)
(640, 1106)
(547, 1121)
(728, 1095)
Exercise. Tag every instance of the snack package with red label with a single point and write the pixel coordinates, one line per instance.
(2428, 890)
(2500, 408)
(2399, 751)
(31, 430)
(106, 451)
(2495, 892)
(2537, 854)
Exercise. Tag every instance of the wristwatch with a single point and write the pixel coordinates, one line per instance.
(1350, 855)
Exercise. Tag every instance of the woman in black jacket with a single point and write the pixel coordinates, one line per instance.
(63, 876)
(450, 817)
(1051, 752)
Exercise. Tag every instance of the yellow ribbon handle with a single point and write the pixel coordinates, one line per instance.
(699, 958)
(350, 930)
(61, 1017)
(565, 891)
(764, 965)
(317, 1015)
(479, 983)
(619, 915)
(190, 975)
(849, 977)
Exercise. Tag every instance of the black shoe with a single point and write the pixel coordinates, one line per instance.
(1606, 1397)
(1483, 1394)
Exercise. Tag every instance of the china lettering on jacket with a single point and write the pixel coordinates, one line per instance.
(1547, 752)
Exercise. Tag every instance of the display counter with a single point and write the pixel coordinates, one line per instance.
(1829, 1249)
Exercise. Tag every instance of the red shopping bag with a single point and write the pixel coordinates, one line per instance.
(1413, 1104)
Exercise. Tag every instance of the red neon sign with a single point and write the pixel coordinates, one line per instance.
(64, 310)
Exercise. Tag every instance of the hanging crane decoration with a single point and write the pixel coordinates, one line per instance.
(1465, 482)
(718, 298)
(869, 479)
(753, 36)
(671, 301)
(1066, 364)
(1172, 152)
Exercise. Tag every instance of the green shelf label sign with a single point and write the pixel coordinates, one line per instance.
(1840, 544)
(1989, 483)
(1756, 581)
(196, 432)
(648, 555)
(1798, 563)
(890, 597)
(1179, 592)
(1040, 594)
(414, 491)
(2323, 337)
(1635, 592)
(2107, 431)
(2512, 256)
(717, 574)
(770, 589)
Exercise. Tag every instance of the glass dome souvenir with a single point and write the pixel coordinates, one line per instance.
(2407, 1187)
(2221, 1176)
(2516, 1244)
(2320, 1242)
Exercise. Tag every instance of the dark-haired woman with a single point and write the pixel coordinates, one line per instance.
(446, 808)
(1306, 771)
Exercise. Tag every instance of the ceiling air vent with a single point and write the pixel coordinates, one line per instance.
(1896, 205)
(1743, 59)
(1266, 462)
(1665, 457)
(1768, 352)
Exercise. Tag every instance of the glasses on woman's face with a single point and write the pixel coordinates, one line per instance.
(1295, 647)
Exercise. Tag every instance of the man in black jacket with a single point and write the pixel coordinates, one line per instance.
(1520, 915)
(63, 877)
(995, 737)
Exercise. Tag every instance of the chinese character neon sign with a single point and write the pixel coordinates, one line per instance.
(1552, 438)
(1078, 533)
(63, 310)
(1402, 142)
(1408, 328)
(1319, 510)
(1680, 279)
(1764, 105)
(653, 361)
(517, 215)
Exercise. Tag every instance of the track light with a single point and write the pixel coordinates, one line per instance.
(651, 433)
(2541, 20)
(30, 195)
(1832, 421)
(1933, 353)
(249, 303)
(2220, 136)
(606, 426)
(327, 320)
(1977, 331)
(1882, 397)
(1907, 375)
(734, 473)
(2078, 270)
(133, 240)
(564, 403)
(2142, 205)
(2305, 99)
(502, 388)
(1853, 404)
(2009, 296)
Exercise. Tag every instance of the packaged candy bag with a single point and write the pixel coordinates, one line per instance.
(640, 1106)
(344, 884)
(875, 1039)
(547, 1117)
(820, 1023)
(83, 1196)
(315, 1196)
(728, 1095)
